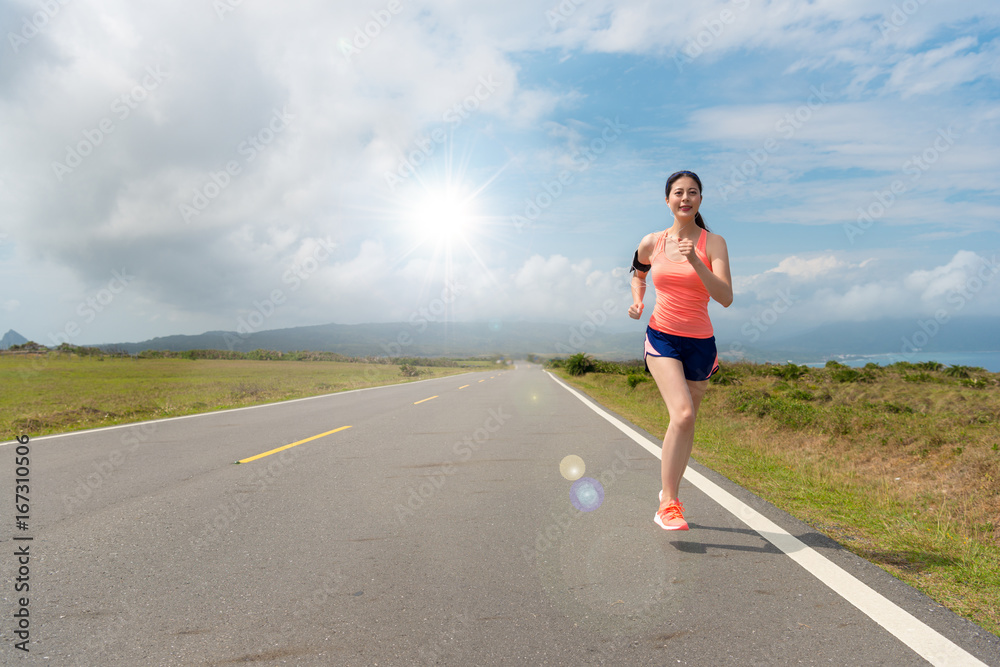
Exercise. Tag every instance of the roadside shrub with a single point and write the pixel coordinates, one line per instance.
(579, 364)
(752, 402)
(787, 412)
(793, 414)
(800, 395)
(409, 371)
(845, 375)
(615, 367)
(789, 371)
(426, 361)
(726, 375)
(840, 420)
(634, 379)
(263, 355)
(929, 366)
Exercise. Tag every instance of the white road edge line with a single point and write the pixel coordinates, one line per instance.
(220, 412)
(927, 642)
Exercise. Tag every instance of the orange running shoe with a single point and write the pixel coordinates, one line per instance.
(671, 516)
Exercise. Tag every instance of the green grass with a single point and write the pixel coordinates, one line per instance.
(901, 470)
(56, 393)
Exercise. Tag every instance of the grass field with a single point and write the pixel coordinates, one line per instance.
(900, 465)
(55, 393)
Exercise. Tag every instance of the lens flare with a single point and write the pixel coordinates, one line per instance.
(586, 494)
(572, 467)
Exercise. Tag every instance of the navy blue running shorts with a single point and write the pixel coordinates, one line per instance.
(698, 355)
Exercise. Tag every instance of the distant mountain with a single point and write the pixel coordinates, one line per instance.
(465, 339)
(424, 339)
(10, 339)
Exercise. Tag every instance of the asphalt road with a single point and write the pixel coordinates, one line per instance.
(436, 529)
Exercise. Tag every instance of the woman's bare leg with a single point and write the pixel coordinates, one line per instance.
(682, 397)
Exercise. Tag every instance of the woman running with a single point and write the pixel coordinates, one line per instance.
(689, 265)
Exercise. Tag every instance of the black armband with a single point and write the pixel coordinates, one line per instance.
(639, 266)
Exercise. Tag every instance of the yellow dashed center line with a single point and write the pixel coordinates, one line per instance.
(279, 449)
(426, 399)
(464, 386)
(482, 380)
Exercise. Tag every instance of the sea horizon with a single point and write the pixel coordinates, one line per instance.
(989, 359)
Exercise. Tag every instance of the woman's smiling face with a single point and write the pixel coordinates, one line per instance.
(684, 198)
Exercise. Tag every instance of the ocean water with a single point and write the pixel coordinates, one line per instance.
(988, 360)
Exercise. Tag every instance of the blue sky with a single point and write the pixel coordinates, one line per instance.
(182, 167)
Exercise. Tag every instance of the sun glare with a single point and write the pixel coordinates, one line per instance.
(442, 219)
(442, 215)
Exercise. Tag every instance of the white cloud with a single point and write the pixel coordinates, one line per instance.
(930, 285)
(807, 269)
(829, 288)
(858, 302)
(354, 119)
(945, 67)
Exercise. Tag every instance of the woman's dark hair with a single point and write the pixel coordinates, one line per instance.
(698, 220)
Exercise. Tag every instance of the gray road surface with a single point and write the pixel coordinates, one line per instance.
(438, 532)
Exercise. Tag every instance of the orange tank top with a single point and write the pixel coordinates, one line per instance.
(681, 298)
